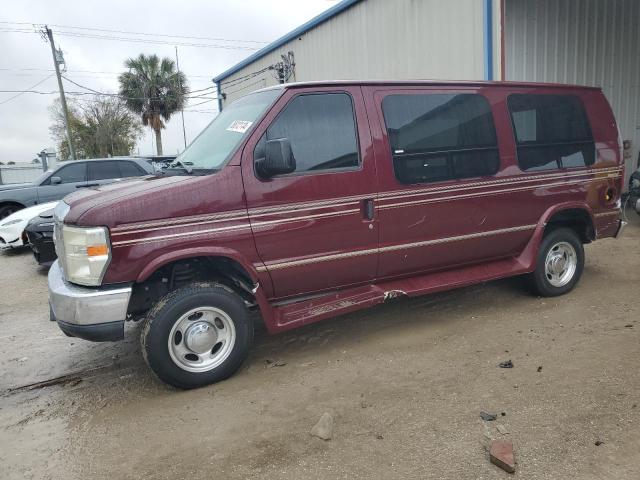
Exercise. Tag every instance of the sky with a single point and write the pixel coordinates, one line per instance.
(240, 27)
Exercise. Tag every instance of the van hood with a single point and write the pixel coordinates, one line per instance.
(108, 198)
(15, 186)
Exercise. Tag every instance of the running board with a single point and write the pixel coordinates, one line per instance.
(292, 315)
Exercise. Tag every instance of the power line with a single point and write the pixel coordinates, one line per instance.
(246, 86)
(130, 98)
(77, 73)
(131, 32)
(37, 92)
(137, 40)
(246, 77)
(200, 103)
(27, 90)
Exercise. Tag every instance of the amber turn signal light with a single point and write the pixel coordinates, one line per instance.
(97, 250)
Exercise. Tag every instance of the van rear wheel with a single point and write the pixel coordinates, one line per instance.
(197, 335)
(559, 264)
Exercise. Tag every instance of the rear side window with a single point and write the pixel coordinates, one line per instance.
(551, 131)
(103, 170)
(436, 137)
(130, 169)
(321, 130)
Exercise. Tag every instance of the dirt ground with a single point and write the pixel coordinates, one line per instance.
(405, 383)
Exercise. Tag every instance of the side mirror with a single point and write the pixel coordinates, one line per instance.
(56, 180)
(278, 159)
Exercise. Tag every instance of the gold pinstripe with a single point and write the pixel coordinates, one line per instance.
(342, 201)
(607, 214)
(239, 215)
(482, 194)
(389, 248)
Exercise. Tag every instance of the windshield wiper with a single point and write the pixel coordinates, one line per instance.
(188, 169)
(183, 166)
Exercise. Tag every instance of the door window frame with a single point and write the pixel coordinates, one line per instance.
(312, 172)
(55, 173)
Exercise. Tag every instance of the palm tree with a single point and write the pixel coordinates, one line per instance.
(153, 89)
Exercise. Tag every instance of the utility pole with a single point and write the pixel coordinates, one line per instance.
(184, 132)
(63, 100)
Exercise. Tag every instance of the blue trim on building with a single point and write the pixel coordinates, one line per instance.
(314, 22)
(488, 39)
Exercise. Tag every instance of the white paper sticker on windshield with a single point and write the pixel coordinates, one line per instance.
(239, 126)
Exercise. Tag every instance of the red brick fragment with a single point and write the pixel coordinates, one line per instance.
(501, 454)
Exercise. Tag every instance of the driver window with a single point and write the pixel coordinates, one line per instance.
(321, 130)
(76, 172)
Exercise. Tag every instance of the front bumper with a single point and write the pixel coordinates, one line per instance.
(44, 249)
(11, 236)
(95, 314)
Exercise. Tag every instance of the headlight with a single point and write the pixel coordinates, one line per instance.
(12, 222)
(86, 254)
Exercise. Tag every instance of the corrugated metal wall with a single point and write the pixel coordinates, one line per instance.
(587, 42)
(383, 39)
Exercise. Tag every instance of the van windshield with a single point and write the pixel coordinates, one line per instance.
(217, 142)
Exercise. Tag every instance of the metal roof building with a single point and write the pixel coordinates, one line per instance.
(588, 42)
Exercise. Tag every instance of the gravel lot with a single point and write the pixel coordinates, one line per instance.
(405, 383)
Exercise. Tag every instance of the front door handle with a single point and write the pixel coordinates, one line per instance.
(367, 209)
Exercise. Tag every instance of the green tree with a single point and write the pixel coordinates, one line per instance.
(100, 127)
(153, 89)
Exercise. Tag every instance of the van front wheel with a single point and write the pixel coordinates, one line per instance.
(197, 335)
(560, 263)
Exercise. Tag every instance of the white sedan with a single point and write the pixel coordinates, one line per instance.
(12, 227)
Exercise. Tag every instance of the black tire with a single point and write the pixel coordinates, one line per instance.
(8, 209)
(540, 281)
(170, 309)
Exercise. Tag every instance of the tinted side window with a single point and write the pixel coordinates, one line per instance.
(435, 137)
(551, 131)
(321, 129)
(130, 169)
(73, 173)
(103, 170)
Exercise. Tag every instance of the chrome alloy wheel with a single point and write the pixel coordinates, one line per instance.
(561, 264)
(201, 339)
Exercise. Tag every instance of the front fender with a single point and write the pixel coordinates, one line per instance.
(262, 293)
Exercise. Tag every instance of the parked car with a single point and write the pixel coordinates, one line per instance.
(305, 201)
(12, 234)
(39, 232)
(67, 178)
(634, 190)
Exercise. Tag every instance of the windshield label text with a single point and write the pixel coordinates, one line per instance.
(240, 126)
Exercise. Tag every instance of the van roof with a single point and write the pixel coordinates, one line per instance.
(430, 83)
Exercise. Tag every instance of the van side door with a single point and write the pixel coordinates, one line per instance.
(442, 202)
(315, 228)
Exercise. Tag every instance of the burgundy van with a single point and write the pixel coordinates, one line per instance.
(306, 201)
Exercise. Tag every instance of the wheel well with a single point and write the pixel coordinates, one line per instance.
(575, 218)
(182, 272)
(7, 204)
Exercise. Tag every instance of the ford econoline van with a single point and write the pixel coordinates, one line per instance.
(305, 201)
